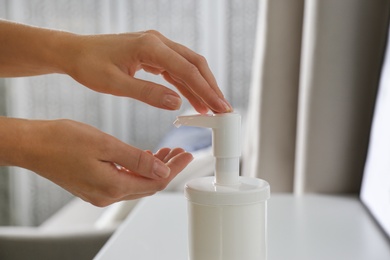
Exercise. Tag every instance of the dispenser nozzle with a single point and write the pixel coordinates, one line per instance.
(226, 142)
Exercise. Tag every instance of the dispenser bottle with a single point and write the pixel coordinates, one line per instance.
(227, 213)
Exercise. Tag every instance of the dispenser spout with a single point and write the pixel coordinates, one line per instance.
(226, 142)
(208, 121)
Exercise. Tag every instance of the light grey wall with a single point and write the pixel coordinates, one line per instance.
(5, 217)
(4, 181)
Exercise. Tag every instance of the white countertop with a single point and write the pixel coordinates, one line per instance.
(312, 227)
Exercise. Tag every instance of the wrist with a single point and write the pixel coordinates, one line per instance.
(14, 137)
(63, 51)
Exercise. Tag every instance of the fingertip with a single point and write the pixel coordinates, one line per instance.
(229, 107)
(224, 106)
(180, 161)
(189, 157)
(202, 110)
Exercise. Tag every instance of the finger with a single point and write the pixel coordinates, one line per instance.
(185, 91)
(172, 154)
(178, 162)
(162, 153)
(202, 67)
(161, 55)
(196, 59)
(148, 92)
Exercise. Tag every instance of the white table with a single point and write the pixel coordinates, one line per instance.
(312, 227)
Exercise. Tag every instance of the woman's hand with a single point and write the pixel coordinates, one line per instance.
(87, 162)
(108, 63)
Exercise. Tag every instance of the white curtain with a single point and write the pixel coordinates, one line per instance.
(314, 82)
(221, 30)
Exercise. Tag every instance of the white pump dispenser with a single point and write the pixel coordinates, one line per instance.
(228, 212)
(226, 143)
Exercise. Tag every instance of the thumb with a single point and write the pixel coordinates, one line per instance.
(139, 162)
(148, 92)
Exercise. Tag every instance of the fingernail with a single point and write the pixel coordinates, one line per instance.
(226, 105)
(171, 102)
(160, 169)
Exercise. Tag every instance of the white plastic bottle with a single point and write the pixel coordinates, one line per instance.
(227, 212)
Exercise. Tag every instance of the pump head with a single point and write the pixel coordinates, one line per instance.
(226, 142)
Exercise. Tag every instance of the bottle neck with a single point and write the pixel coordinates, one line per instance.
(227, 171)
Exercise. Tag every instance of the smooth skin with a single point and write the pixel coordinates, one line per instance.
(90, 164)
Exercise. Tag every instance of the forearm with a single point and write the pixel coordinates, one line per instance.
(27, 50)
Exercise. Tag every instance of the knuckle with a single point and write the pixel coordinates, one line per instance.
(149, 43)
(200, 60)
(146, 92)
(153, 32)
(137, 161)
(149, 38)
(142, 163)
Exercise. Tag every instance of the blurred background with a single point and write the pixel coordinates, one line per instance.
(221, 30)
